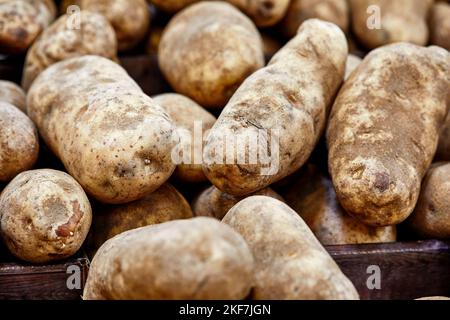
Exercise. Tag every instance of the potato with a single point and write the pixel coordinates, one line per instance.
(264, 13)
(22, 21)
(214, 203)
(383, 130)
(193, 122)
(352, 63)
(289, 261)
(154, 39)
(163, 205)
(13, 94)
(439, 23)
(431, 217)
(443, 151)
(19, 142)
(198, 258)
(434, 298)
(335, 11)
(44, 216)
(399, 21)
(65, 39)
(207, 50)
(111, 137)
(312, 196)
(275, 106)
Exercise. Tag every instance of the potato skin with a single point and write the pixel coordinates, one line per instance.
(185, 112)
(207, 50)
(443, 151)
(165, 204)
(63, 41)
(197, 258)
(172, 6)
(431, 217)
(352, 63)
(312, 196)
(111, 137)
(44, 216)
(214, 203)
(383, 131)
(439, 24)
(335, 11)
(19, 142)
(286, 99)
(264, 13)
(290, 263)
(13, 94)
(401, 21)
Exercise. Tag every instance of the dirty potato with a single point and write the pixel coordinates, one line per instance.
(439, 23)
(290, 263)
(352, 63)
(207, 50)
(44, 216)
(111, 137)
(255, 141)
(443, 151)
(13, 94)
(197, 258)
(384, 128)
(264, 13)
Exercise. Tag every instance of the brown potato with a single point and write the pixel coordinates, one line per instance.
(197, 258)
(193, 123)
(335, 11)
(264, 119)
(111, 137)
(352, 63)
(19, 142)
(264, 13)
(312, 196)
(154, 40)
(290, 263)
(13, 94)
(431, 217)
(66, 39)
(439, 23)
(172, 6)
(44, 216)
(207, 50)
(383, 130)
(443, 151)
(215, 204)
(163, 205)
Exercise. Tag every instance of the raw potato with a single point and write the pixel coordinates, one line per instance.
(111, 137)
(13, 94)
(198, 258)
(383, 130)
(19, 142)
(352, 63)
(288, 99)
(65, 39)
(163, 205)
(434, 298)
(400, 21)
(193, 123)
(335, 11)
(207, 50)
(290, 263)
(439, 22)
(22, 22)
(431, 217)
(44, 216)
(312, 196)
(214, 203)
(264, 13)
(443, 151)
(172, 6)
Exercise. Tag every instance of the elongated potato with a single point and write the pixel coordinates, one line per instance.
(193, 123)
(383, 130)
(352, 63)
(278, 113)
(439, 23)
(434, 298)
(198, 258)
(70, 36)
(214, 203)
(13, 94)
(443, 151)
(431, 217)
(264, 13)
(44, 216)
(19, 142)
(109, 135)
(290, 263)
(163, 205)
(335, 11)
(379, 22)
(312, 196)
(207, 50)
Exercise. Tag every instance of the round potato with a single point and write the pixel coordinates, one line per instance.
(264, 13)
(13, 94)
(19, 142)
(197, 258)
(439, 23)
(207, 50)
(443, 150)
(352, 63)
(44, 216)
(290, 263)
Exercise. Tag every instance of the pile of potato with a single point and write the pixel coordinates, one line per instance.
(349, 101)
